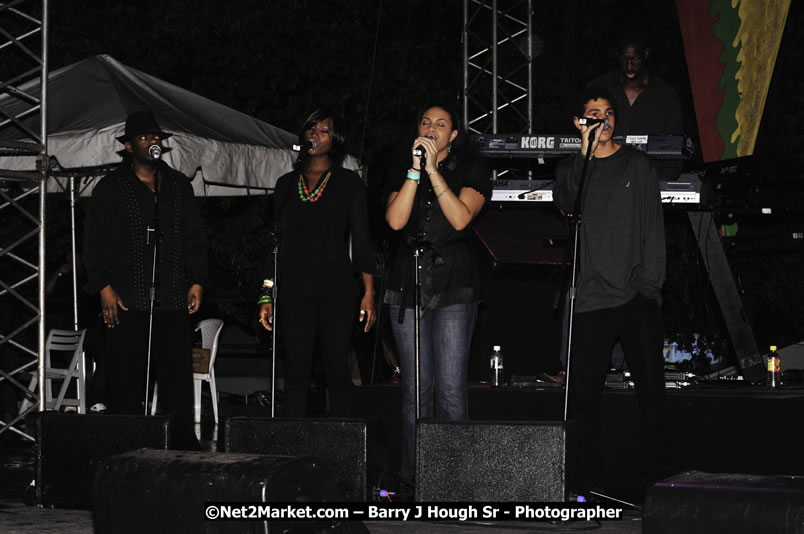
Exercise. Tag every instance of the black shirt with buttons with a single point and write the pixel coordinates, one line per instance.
(448, 270)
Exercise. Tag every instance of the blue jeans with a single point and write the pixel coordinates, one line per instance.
(445, 336)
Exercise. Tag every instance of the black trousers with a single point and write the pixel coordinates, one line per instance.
(327, 317)
(638, 326)
(95, 353)
(171, 364)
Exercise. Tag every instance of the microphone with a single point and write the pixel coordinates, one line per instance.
(588, 121)
(155, 151)
(305, 149)
(419, 150)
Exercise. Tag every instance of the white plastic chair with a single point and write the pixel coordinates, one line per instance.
(210, 332)
(68, 341)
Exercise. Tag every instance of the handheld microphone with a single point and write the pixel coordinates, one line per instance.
(588, 121)
(305, 149)
(419, 150)
(155, 151)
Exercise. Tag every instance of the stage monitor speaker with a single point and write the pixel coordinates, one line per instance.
(165, 491)
(479, 461)
(71, 446)
(351, 448)
(694, 502)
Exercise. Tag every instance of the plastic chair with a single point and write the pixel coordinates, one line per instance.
(68, 341)
(210, 332)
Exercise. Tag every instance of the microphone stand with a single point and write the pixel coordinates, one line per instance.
(275, 236)
(572, 290)
(417, 304)
(274, 296)
(154, 282)
(377, 331)
(577, 216)
(416, 317)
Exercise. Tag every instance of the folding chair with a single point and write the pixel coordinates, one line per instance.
(72, 343)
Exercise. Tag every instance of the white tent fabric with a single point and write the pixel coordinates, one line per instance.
(226, 152)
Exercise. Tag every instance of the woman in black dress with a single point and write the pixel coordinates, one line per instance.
(317, 207)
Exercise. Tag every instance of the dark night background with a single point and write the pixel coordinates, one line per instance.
(277, 60)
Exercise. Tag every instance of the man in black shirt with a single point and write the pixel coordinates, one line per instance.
(140, 209)
(646, 104)
(621, 270)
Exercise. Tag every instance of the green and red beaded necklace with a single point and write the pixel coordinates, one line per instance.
(305, 195)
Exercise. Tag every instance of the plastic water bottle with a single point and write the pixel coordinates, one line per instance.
(496, 367)
(774, 369)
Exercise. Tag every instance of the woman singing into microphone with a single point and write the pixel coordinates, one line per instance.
(433, 202)
(317, 207)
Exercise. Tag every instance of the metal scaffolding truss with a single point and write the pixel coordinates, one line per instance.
(498, 66)
(23, 59)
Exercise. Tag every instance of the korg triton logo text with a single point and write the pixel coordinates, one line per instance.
(537, 142)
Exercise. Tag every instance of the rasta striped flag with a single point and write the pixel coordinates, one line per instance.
(731, 48)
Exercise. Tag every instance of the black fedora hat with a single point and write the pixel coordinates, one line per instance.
(139, 123)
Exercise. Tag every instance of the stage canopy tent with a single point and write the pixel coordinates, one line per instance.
(225, 152)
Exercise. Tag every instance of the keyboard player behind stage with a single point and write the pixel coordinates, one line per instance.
(646, 104)
(621, 271)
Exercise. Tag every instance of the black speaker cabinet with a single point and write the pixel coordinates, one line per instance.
(165, 491)
(484, 461)
(71, 446)
(349, 447)
(695, 502)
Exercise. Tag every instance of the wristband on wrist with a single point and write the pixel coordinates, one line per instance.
(267, 287)
(413, 175)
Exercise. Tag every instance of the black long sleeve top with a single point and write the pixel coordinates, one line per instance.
(314, 247)
(448, 268)
(116, 249)
(622, 247)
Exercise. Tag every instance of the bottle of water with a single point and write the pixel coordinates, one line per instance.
(774, 369)
(496, 367)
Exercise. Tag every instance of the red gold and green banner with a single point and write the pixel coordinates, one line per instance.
(731, 48)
